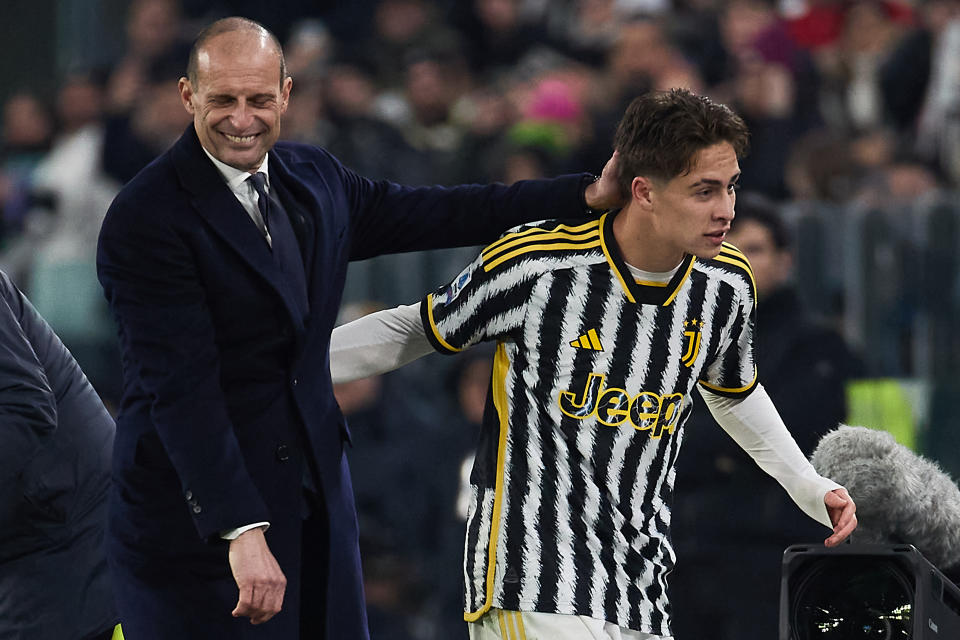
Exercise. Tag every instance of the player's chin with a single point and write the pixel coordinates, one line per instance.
(708, 252)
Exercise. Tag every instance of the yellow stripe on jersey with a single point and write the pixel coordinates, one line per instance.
(521, 236)
(539, 247)
(523, 632)
(433, 327)
(504, 633)
(647, 283)
(737, 390)
(729, 254)
(582, 237)
(680, 282)
(501, 365)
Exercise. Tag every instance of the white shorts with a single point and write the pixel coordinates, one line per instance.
(497, 624)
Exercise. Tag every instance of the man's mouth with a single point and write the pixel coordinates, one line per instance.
(240, 139)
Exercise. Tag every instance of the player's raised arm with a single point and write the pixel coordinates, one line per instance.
(377, 343)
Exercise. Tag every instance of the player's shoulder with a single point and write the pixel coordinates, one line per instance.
(553, 242)
(730, 265)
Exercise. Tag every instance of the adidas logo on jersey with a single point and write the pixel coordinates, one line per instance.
(590, 340)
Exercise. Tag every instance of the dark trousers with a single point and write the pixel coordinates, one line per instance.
(314, 558)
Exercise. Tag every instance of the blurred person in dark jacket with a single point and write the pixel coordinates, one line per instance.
(56, 441)
(804, 366)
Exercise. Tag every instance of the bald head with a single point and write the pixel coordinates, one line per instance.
(246, 33)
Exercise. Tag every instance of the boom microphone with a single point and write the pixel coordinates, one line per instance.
(901, 497)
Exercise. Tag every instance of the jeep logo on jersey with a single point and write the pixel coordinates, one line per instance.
(646, 411)
(691, 333)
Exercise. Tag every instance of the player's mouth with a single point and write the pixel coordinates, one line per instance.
(717, 237)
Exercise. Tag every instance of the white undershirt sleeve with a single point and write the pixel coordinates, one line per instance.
(754, 423)
(377, 343)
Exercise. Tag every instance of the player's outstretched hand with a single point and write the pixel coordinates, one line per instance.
(259, 579)
(843, 514)
(605, 193)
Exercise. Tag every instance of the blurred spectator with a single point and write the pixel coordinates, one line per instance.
(154, 120)
(400, 28)
(144, 113)
(851, 75)
(804, 366)
(355, 133)
(53, 257)
(771, 83)
(152, 30)
(434, 81)
(497, 34)
(938, 121)
(28, 130)
(584, 29)
(308, 49)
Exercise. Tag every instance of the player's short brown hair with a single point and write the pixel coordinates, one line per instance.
(661, 133)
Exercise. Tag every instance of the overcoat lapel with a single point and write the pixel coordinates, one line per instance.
(215, 203)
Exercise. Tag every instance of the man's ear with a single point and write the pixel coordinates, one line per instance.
(186, 94)
(641, 190)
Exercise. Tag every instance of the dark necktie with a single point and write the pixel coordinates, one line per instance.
(286, 253)
(285, 249)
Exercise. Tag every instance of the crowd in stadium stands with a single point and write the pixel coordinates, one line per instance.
(846, 100)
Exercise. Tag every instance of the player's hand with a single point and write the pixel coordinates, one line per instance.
(258, 576)
(843, 514)
(605, 193)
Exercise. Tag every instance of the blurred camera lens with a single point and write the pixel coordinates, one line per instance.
(852, 598)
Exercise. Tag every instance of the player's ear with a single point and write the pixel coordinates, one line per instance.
(641, 190)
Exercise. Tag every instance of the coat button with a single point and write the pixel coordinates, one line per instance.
(283, 453)
(196, 508)
(189, 495)
(295, 382)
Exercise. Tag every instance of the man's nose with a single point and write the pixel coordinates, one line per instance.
(241, 116)
(725, 210)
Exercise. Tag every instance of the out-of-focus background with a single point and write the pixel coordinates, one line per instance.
(854, 108)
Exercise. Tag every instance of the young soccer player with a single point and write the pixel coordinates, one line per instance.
(603, 330)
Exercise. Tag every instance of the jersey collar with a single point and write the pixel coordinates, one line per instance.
(660, 295)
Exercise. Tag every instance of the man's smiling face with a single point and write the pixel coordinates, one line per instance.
(239, 98)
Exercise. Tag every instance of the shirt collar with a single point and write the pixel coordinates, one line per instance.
(236, 177)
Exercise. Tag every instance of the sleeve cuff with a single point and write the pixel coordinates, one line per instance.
(233, 534)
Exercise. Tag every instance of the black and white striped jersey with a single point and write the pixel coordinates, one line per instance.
(571, 488)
